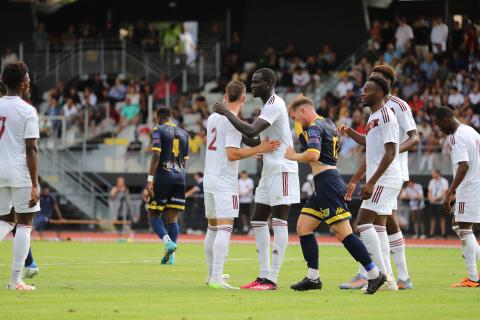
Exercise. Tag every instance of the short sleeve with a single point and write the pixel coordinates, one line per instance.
(405, 120)
(389, 132)
(233, 138)
(459, 150)
(156, 141)
(32, 128)
(270, 113)
(314, 142)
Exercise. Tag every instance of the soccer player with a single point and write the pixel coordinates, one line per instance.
(19, 194)
(383, 172)
(465, 154)
(31, 268)
(279, 186)
(319, 138)
(166, 180)
(394, 242)
(221, 181)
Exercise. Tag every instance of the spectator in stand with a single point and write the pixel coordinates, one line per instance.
(438, 37)
(343, 87)
(409, 89)
(421, 34)
(129, 115)
(457, 36)
(188, 45)
(403, 36)
(117, 91)
(475, 97)
(390, 54)
(455, 99)
(413, 192)
(89, 98)
(70, 111)
(160, 89)
(69, 37)
(416, 104)
(327, 58)
(40, 37)
(387, 34)
(245, 193)
(437, 188)
(55, 110)
(301, 79)
(429, 68)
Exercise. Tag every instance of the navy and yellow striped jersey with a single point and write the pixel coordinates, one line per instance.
(172, 143)
(320, 137)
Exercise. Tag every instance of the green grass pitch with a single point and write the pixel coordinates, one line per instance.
(126, 281)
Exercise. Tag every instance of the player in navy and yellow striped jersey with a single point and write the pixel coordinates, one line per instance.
(166, 180)
(319, 138)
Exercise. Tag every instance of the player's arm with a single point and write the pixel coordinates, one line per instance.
(355, 179)
(460, 157)
(357, 137)
(155, 160)
(250, 130)
(242, 153)
(251, 142)
(310, 155)
(31, 149)
(387, 159)
(411, 142)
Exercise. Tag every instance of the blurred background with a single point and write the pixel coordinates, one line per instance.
(100, 69)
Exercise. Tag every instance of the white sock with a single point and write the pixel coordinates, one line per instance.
(372, 243)
(208, 247)
(384, 244)
(220, 251)
(469, 244)
(21, 244)
(313, 274)
(166, 238)
(5, 229)
(397, 245)
(361, 270)
(262, 240)
(477, 247)
(280, 243)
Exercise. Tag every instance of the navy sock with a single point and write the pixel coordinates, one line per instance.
(358, 251)
(310, 250)
(173, 231)
(29, 259)
(158, 227)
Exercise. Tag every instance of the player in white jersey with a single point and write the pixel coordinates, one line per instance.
(19, 193)
(279, 186)
(465, 154)
(220, 181)
(383, 172)
(408, 141)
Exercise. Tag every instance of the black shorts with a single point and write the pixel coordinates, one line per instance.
(245, 208)
(437, 211)
(167, 196)
(327, 203)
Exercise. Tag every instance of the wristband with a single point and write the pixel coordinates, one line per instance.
(150, 178)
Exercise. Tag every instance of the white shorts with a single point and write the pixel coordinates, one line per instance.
(11, 197)
(279, 189)
(382, 201)
(467, 212)
(221, 205)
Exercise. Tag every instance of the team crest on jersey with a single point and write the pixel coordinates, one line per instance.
(325, 213)
(372, 124)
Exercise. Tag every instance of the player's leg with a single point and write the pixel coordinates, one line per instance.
(455, 228)
(384, 243)
(173, 231)
(211, 232)
(306, 225)
(175, 205)
(397, 247)
(443, 223)
(469, 243)
(7, 215)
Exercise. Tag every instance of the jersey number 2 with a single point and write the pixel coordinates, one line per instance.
(3, 119)
(211, 145)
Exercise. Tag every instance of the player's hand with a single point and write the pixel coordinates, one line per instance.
(367, 190)
(257, 155)
(150, 189)
(446, 203)
(268, 146)
(34, 196)
(350, 189)
(342, 129)
(220, 108)
(289, 153)
(145, 195)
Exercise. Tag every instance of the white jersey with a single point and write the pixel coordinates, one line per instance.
(18, 121)
(245, 188)
(275, 113)
(465, 146)
(406, 123)
(221, 174)
(382, 128)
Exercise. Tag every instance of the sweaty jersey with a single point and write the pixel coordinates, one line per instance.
(382, 128)
(320, 137)
(172, 143)
(275, 113)
(18, 121)
(221, 174)
(465, 146)
(406, 123)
